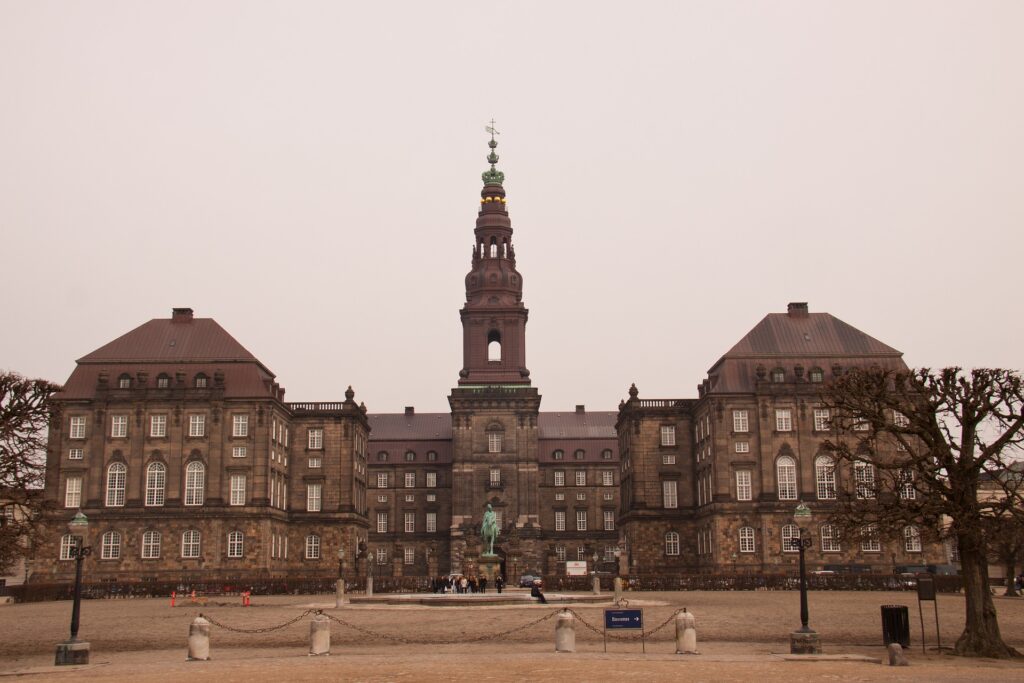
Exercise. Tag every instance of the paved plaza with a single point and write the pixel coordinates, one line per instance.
(741, 636)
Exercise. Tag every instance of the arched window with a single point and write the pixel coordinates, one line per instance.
(558, 454)
(382, 456)
(67, 544)
(494, 345)
(190, 543)
(504, 248)
(778, 375)
(579, 454)
(201, 381)
(235, 540)
(410, 456)
(829, 539)
(312, 547)
(124, 381)
(606, 454)
(156, 481)
(746, 539)
(195, 483)
(911, 539)
(116, 475)
(110, 546)
(816, 375)
(790, 532)
(162, 381)
(494, 247)
(151, 545)
(825, 477)
(431, 456)
(672, 543)
(785, 475)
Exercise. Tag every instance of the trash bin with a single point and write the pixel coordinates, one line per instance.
(896, 625)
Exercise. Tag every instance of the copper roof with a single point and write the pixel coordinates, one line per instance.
(241, 380)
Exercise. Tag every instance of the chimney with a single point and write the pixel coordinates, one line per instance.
(798, 309)
(410, 411)
(181, 315)
(580, 409)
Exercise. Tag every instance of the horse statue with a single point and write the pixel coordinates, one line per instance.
(489, 531)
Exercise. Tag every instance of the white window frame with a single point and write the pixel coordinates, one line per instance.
(669, 494)
(238, 451)
(790, 532)
(560, 553)
(73, 492)
(581, 477)
(559, 477)
(239, 426)
(825, 477)
(581, 520)
(609, 520)
(431, 522)
(409, 556)
(195, 483)
(607, 478)
(911, 539)
(237, 489)
(67, 544)
(785, 477)
(382, 555)
(907, 490)
(829, 539)
(747, 542)
(410, 480)
(236, 544)
(431, 480)
(156, 484)
(744, 485)
(864, 480)
(118, 426)
(783, 419)
(76, 454)
(312, 547)
(559, 520)
(191, 544)
(822, 420)
(668, 459)
(494, 477)
(742, 447)
(494, 442)
(197, 425)
(315, 439)
(157, 426)
(314, 497)
(869, 540)
(117, 476)
(409, 522)
(672, 543)
(382, 522)
(668, 435)
(76, 429)
(315, 462)
(151, 545)
(110, 546)
(382, 480)
(740, 421)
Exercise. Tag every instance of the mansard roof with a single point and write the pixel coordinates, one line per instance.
(411, 426)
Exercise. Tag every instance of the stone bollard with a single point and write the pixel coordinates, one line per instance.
(565, 633)
(686, 633)
(339, 594)
(319, 635)
(618, 588)
(199, 640)
(896, 656)
(369, 586)
(596, 585)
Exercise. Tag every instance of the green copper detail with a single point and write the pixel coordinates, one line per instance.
(493, 176)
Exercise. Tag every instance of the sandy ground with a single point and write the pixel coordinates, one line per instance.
(146, 640)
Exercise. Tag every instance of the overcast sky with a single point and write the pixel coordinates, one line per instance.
(308, 174)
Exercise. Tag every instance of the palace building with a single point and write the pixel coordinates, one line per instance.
(179, 446)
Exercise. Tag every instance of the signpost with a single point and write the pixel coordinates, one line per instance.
(616, 619)
(576, 568)
(926, 591)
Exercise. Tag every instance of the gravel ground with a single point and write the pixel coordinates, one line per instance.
(146, 640)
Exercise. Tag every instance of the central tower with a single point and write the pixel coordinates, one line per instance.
(494, 408)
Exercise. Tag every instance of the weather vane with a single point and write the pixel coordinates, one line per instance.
(490, 129)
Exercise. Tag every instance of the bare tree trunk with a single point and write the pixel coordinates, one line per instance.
(981, 637)
(1011, 583)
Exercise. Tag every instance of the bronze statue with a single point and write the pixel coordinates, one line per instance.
(489, 531)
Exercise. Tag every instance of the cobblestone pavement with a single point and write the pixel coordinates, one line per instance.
(146, 640)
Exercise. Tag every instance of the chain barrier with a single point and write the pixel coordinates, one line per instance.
(417, 641)
(614, 636)
(265, 629)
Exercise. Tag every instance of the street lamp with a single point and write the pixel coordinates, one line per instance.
(805, 640)
(341, 561)
(74, 651)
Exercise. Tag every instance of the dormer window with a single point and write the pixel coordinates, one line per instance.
(558, 455)
(382, 456)
(124, 381)
(778, 376)
(162, 381)
(200, 381)
(816, 375)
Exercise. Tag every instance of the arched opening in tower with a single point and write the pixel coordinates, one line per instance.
(493, 345)
(494, 247)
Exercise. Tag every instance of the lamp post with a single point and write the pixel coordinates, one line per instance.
(74, 651)
(339, 589)
(805, 640)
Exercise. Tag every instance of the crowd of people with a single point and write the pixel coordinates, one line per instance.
(460, 583)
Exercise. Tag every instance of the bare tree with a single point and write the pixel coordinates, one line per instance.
(917, 446)
(24, 413)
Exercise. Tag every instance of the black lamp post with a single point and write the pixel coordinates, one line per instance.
(74, 651)
(805, 640)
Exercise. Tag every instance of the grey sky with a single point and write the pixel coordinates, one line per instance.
(308, 174)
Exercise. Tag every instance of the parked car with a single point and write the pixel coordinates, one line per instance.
(526, 580)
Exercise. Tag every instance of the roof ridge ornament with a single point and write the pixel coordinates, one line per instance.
(493, 176)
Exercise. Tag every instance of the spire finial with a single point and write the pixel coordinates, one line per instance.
(493, 176)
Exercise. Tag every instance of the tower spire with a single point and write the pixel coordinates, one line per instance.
(493, 176)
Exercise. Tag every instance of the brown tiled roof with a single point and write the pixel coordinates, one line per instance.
(396, 451)
(591, 448)
(417, 427)
(817, 335)
(241, 380)
(161, 340)
(572, 425)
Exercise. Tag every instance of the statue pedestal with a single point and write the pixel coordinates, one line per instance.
(489, 566)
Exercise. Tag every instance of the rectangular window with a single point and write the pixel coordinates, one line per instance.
(238, 452)
(747, 539)
(906, 483)
(431, 480)
(668, 459)
(76, 454)
(581, 496)
(668, 435)
(869, 541)
(560, 553)
(899, 419)
(821, 420)
(410, 522)
(409, 555)
(495, 477)
(581, 477)
(431, 497)
(669, 494)
(382, 499)
(829, 539)
(559, 478)
(410, 480)
(783, 420)
(739, 421)
(864, 479)
(861, 425)
(382, 480)
(151, 545)
(237, 489)
(313, 497)
(559, 520)
(607, 478)
(431, 522)
(609, 496)
(73, 492)
(382, 522)
(235, 540)
(77, 428)
(742, 447)
(581, 554)
(312, 547)
(494, 442)
(609, 520)
(382, 555)
(744, 490)
(158, 425)
(559, 496)
(196, 425)
(316, 439)
(119, 426)
(239, 425)
(581, 520)
(315, 462)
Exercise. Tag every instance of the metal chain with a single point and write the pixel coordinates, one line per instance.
(615, 636)
(265, 629)
(417, 641)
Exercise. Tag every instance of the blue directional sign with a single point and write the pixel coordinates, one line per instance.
(623, 618)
